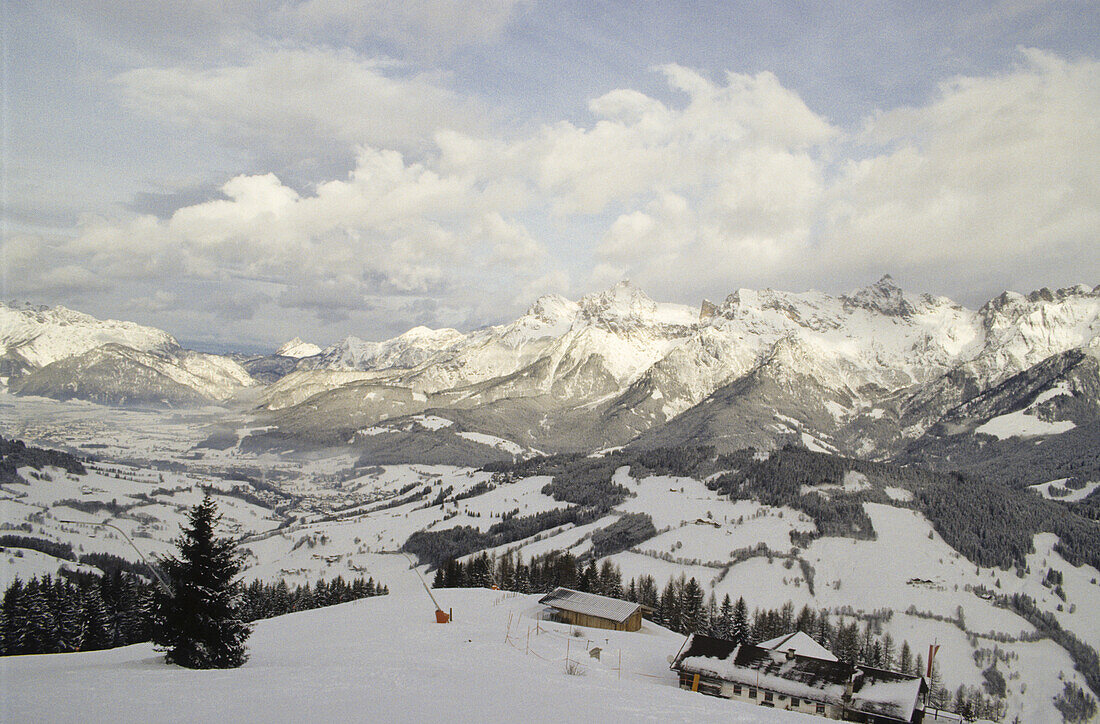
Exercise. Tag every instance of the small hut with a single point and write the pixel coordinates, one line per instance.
(593, 610)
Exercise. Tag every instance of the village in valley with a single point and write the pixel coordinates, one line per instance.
(931, 637)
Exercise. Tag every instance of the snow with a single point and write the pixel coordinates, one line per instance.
(432, 422)
(592, 350)
(727, 670)
(1021, 424)
(298, 349)
(815, 445)
(899, 494)
(493, 441)
(853, 482)
(384, 659)
(1072, 496)
(44, 335)
(373, 430)
(23, 563)
(800, 643)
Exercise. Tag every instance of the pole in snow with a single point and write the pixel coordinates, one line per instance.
(156, 574)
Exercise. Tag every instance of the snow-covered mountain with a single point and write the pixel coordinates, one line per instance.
(868, 373)
(56, 352)
(35, 336)
(297, 349)
(864, 373)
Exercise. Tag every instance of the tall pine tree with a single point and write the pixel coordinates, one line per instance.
(199, 624)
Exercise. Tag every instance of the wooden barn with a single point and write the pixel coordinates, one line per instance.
(592, 610)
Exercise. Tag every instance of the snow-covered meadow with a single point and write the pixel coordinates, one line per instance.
(384, 659)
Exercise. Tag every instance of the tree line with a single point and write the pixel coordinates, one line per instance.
(15, 454)
(48, 614)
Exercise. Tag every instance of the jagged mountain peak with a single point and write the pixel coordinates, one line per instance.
(622, 301)
(1014, 303)
(883, 296)
(407, 350)
(553, 308)
(429, 334)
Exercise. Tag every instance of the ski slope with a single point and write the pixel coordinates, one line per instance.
(383, 659)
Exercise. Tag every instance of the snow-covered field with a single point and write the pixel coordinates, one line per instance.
(384, 659)
(347, 520)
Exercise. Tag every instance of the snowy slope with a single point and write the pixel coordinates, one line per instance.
(344, 518)
(382, 659)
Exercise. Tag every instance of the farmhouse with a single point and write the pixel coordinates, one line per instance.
(786, 679)
(592, 610)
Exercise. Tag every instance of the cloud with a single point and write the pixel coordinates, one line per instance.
(639, 145)
(730, 183)
(392, 228)
(996, 172)
(303, 100)
(993, 178)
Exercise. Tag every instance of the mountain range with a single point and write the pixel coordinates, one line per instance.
(877, 373)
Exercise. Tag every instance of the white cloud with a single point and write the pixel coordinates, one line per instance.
(639, 145)
(390, 228)
(993, 178)
(731, 186)
(997, 172)
(303, 99)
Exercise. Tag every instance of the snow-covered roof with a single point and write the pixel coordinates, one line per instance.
(800, 643)
(873, 691)
(885, 693)
(590, 604)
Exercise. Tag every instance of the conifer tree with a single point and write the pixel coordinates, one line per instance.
(95, 623)
(739, 630)
(199, 624)
(905, 659)
(691, 607)
(725, 619)
(714, 621)
(12, 620)
(41, 627)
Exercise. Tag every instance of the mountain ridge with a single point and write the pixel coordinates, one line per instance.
(868, 373)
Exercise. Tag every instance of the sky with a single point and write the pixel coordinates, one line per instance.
(240, 172)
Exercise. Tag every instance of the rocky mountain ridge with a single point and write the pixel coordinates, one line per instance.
(870, 373)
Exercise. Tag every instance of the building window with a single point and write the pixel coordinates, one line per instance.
(737, 690)
(752, 693)
(794, 701)
(768, 696)
(820, 709)
(710, 688)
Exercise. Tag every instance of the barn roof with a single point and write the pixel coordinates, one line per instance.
(801, 643)
(590, 604)
(873, 691)
(886, 693)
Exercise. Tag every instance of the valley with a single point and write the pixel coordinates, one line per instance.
(911, 464)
